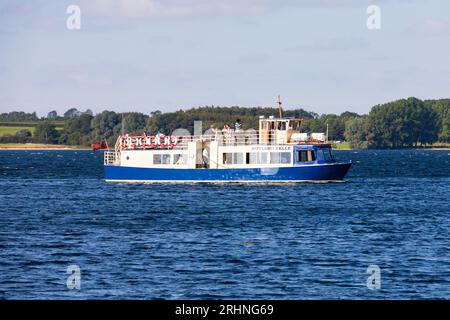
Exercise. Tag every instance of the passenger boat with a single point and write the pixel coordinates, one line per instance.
(278, 152)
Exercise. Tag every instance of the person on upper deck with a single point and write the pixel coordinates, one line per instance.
(226, 131)
(238, 125)
(226, 128)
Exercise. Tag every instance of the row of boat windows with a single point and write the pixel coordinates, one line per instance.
(256, 157)
(251, 157)
(166, 159)
(273, 157)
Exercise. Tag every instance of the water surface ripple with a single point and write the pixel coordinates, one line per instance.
(305, 241)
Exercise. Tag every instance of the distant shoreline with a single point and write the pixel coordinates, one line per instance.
(39, 147)
(55, 147)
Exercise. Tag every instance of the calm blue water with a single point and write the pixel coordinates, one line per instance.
(218, 241)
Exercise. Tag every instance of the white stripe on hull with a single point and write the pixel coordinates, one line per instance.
(222, 181)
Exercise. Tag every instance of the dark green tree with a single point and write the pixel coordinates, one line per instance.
(18, 116)
(402, 123)
(106, 125)
(52, 115)
(134, 122)
(442, 108)
(77, 130)
(45, 132)
(71, 113)
(356, 132)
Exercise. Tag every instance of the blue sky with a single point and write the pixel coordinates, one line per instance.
(143, 55)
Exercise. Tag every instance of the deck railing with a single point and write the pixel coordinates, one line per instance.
(231, 138)
(235, 138)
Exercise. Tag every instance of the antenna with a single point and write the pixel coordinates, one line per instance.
(280, 110)
(122, 124)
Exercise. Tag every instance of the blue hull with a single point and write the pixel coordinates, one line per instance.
(325, 172)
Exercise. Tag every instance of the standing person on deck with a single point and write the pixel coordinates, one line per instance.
(226, 131)
(238, 125)
(238, 131)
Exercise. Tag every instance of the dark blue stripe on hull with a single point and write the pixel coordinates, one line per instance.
(329, 172)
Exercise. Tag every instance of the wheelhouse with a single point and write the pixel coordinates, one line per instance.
(278, 130)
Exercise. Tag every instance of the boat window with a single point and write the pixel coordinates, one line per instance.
(257, 158)
(166, 159)
(247, 158)
(274, 157)
(281, 125)
(161, 159)
(180, 159)
(263, 157)
(238, 158)
(227, 158)
(327, 155)
(302, 156)
(305, 155)
(252, 158)
(156, 159)
(319, 155)
(285, 157)
(233, 158)
(280, 157)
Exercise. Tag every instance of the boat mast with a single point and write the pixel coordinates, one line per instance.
(122, 124)
(280, 110)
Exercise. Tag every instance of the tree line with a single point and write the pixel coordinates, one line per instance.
(402, 123)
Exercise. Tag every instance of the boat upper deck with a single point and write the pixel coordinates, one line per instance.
(279, 131)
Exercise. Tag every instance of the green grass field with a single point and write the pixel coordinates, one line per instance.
(13, 127)
(4, 130)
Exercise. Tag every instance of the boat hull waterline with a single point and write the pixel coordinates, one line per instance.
(330, 172)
